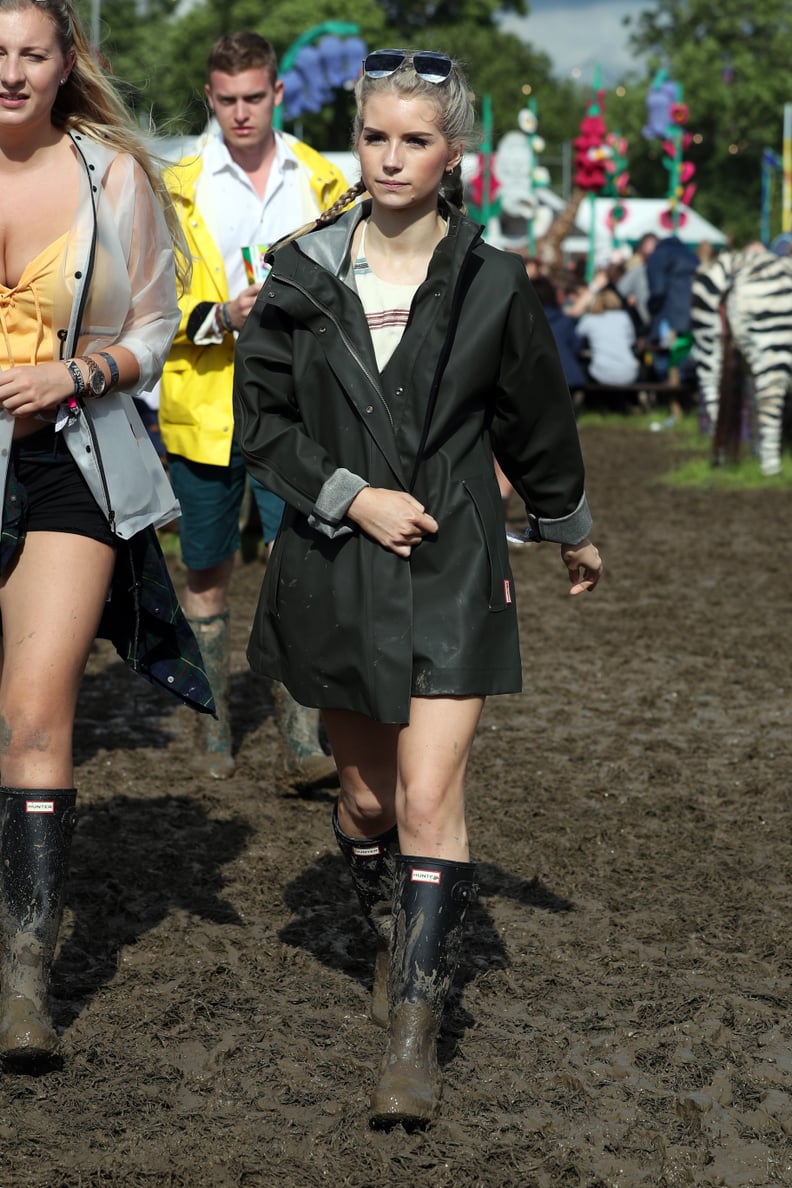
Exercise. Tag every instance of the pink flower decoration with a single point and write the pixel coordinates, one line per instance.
(667, 221)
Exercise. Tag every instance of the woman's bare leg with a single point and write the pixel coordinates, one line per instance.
(51, 603)
(432, 761)
(411, 774)
(365, 753)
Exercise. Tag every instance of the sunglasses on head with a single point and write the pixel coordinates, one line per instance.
(428, 65)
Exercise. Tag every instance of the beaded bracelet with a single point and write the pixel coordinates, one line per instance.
(222, 317)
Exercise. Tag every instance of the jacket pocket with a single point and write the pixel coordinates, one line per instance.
(485, 497)
(271, 585)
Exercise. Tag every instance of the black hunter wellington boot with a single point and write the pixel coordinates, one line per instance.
(36, 827)
(372, 864)
(429, 907)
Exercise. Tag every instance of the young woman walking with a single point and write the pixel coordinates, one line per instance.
(390, 357)
(87, 314)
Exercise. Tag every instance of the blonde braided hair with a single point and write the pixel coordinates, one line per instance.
(341, 203)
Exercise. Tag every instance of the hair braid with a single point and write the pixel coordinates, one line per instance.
(452, 189)
(341, 203)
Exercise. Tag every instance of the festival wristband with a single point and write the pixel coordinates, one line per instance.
(76, 376)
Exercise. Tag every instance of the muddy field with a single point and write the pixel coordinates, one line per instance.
(622, 1016)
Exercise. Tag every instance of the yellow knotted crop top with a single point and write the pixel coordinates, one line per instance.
(26, 309)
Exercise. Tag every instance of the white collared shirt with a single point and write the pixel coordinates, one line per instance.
(235, 214)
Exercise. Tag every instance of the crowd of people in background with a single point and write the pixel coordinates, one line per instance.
(629, 325)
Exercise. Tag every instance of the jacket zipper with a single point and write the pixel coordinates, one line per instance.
(350, 348)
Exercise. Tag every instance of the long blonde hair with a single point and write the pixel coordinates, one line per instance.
(89, 103)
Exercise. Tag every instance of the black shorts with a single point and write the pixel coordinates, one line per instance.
(58, 497)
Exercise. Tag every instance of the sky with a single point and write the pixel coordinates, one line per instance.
(579, 35)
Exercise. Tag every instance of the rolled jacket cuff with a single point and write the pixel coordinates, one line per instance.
(571, 529)
(207, 333)
(333, 501)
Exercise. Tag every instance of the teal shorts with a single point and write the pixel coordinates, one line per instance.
(211, 500)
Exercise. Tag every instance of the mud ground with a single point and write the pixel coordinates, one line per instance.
(622, 1016)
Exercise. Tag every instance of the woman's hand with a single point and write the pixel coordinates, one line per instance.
(393, 518)
(584, 565)
(26, 391)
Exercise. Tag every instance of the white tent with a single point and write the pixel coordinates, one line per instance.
(643, 215)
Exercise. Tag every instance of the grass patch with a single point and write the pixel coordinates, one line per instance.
(169, 543)
(692, 466)
(744, 476)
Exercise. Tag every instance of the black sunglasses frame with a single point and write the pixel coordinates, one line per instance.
(429, 65)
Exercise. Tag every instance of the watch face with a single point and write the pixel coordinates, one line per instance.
(98, 383)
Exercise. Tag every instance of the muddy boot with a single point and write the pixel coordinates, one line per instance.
(212, 634)
(429, 906)
(306, 765)
(372, 864)
(35, 838)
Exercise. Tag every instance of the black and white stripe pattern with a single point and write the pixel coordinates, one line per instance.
(752, 288)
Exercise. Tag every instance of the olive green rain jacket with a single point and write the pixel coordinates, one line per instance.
(342, 621)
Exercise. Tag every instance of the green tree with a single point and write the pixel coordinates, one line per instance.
(733, 61)
(160, 51)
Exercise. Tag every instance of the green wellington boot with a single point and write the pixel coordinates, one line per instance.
(305, 764)
(213, 635)
(36, 827)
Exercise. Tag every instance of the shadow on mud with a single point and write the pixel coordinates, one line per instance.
(118, 710)
(133, 862)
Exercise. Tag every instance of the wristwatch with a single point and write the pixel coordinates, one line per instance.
(98, 384)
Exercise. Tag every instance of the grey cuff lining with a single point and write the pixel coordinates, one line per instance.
(333, 500)
(571, 529)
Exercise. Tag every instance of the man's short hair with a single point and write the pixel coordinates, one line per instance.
(237, 52)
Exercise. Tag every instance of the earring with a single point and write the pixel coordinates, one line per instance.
(63, 81)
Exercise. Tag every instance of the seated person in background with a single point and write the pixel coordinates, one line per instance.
(610, 333)
(564, 331)
(633, 284)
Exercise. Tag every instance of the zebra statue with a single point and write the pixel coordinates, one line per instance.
(746, 295)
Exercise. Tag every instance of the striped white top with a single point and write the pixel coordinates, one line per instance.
(386, 305)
